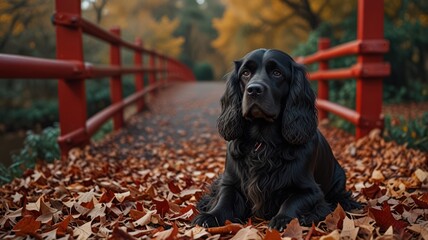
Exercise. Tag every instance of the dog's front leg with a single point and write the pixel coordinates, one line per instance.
(229, 206)
(308, 205)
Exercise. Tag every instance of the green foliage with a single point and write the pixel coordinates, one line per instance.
(37, 147)
(325, 30)
(203, 71)
(407, 53)
(98, 93)
(415, 91)
(412, 132)
(345, 97)
(104, 130)
(40, 112)
(44, 112)
(196, 25)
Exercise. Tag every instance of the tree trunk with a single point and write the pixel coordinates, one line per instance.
(303, 10)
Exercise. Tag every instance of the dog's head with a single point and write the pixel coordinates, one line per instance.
(268, 85)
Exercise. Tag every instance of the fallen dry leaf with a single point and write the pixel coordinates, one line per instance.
(335, 219)
(249, 233)
(384, 218)
(162, 206)
(421, 229)
(349, 231)
(293, 230)
(51, 235)
(167, 234)
(229, 228)
(335, 235)
(83, 232)
(421, 201)
(26, 226)
(144, 220)
(62, 226)
(136, 214)
(272, 234)
(196, 232)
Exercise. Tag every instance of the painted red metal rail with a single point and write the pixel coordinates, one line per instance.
(72, 71)
(369, 70)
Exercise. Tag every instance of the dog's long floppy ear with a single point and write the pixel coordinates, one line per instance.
(299, 120)
(230, 121)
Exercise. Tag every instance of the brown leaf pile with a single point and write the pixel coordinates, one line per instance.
(144, 181)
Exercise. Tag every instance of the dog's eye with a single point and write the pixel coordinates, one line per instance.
(276, 73)
(246, 74)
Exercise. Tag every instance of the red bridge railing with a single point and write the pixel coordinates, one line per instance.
(369, 70)
(71, 70)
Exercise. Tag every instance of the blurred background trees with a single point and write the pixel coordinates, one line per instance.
(212, 32)
(207, 35)
(281, 24)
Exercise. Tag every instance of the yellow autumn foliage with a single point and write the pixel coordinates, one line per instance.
(16, 17)
(136, 20)
(159, 36)
(248, 25)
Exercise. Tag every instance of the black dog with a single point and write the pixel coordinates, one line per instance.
(278, 165)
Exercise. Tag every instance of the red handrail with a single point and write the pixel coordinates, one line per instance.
(369, 70)
(370, 46)
(32, 68)
(70, 68)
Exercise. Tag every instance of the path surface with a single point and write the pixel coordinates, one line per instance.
(180, 113)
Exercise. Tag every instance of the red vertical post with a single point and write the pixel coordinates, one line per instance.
(182, 72)
(71, 93)
(116, 94)
(159, 69)
(323, 44)
(152, 75)
(139, 77)
(178, 71)
(170, 66)
(369, 90)
(165, 67)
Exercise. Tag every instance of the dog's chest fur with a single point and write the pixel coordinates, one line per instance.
(261, 169)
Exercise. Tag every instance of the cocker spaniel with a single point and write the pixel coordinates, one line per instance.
(278, 165)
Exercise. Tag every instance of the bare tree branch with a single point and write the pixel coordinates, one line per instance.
(99, 9)
(304, 10)
(278, 22)
(326, 2)
(9, 31)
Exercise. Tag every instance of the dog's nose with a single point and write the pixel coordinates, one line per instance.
(255, 89)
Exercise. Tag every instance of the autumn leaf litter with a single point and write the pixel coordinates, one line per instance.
(143, 183)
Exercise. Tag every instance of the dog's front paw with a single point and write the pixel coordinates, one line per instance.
(279, 222)
(207, 220)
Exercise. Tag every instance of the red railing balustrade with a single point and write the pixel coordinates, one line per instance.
(369, 70)
(72, 72)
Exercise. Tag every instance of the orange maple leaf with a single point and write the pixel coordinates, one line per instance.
(26, 226)
(62, 226)
(385, 219)
(272, 235)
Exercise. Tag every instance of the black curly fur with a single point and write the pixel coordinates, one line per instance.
(278, 167)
